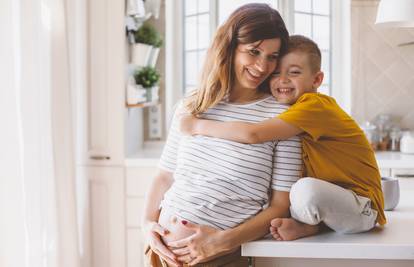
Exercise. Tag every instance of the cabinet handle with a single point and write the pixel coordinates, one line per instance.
(100, 157)
(404, 175)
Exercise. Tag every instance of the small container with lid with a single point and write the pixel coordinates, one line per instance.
(370, 131)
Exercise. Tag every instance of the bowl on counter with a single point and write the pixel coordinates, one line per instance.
(391, 191)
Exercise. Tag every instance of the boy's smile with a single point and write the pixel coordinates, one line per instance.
(294, 77)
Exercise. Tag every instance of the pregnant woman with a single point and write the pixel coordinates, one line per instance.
(212, 195)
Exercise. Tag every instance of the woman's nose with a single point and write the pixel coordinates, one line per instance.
(261, 65)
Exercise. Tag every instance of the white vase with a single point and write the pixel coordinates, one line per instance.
(140, 54)
(136, 94)
(153, 56)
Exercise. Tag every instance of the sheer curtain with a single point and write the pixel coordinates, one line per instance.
(38, 226)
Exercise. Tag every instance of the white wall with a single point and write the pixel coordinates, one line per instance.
(382, 71)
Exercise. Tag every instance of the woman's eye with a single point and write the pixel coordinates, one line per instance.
(254, 52)
(272, 58)
(275, 74)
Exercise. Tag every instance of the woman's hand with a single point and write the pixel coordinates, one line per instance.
(187, 123)
(154, 231)
(205, 244)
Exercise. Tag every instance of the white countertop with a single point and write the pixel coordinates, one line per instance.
(150, 157)
(394, 160)
(394, 241)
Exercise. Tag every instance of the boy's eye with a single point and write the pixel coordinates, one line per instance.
(295, 72)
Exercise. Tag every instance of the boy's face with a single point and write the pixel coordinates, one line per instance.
(293, 78)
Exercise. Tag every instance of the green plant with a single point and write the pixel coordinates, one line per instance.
(147, 77)
(147, 34)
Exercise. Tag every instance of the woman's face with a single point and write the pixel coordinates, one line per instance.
(254, 62)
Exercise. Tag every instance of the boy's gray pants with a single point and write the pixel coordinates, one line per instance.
(314, 201)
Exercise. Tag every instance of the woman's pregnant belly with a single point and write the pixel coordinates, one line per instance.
(173, 224)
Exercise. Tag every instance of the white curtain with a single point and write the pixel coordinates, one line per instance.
(38, 224)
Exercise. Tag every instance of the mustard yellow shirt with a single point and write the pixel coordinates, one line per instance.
(335, 149)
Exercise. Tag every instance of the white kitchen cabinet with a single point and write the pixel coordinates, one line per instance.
(105, 98)
(138, 180)
(135, 248)
(101, 215)
(98, 55)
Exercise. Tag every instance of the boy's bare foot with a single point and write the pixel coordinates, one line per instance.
(290, 229)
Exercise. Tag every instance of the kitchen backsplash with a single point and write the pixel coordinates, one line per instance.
(382, 71)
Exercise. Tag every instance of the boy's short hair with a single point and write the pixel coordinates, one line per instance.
(300, 43)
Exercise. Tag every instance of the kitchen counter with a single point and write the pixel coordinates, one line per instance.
(395, 241)
(387, 159)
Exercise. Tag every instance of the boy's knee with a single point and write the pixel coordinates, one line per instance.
(306, 191)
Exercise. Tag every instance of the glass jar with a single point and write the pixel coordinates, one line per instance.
(371, 133)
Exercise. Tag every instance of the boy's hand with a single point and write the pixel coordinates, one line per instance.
(187, 124)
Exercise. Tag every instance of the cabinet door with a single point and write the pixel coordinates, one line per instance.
(105, 83)
(102, 218)
(138, 180)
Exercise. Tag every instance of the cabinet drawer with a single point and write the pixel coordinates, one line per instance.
(135, 248)
(402, 173)
(138, 180)
(135, 209)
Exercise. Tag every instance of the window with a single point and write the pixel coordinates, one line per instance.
(196, 39)
(312, 18)
(324, 21)
(200, 17)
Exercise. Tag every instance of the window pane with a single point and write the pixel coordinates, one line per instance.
(226, 7)
(326, 66)
(191, 68)
(203, 31)
(191, 33)
(190, 7)
(303, 5)
(303, 25)
(201, 58)
(203, 5)
(321, 6)
(324, 89)
(321, 33)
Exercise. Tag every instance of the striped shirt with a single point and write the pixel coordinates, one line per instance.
(222, 183)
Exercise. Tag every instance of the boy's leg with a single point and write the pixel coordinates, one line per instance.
(314, 201)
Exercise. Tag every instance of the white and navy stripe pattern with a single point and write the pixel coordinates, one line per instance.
(221, 183)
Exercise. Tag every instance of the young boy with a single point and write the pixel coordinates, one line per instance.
(342, 184)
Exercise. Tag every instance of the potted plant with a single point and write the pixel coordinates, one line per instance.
(148, 78)
(146, 37)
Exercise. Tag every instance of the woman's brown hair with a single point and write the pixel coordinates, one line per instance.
(247, 24)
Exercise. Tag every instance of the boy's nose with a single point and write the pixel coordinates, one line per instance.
(283, 78)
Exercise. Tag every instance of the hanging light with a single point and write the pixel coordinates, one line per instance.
(395, 13)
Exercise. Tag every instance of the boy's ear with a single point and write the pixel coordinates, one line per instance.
(318, 79)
